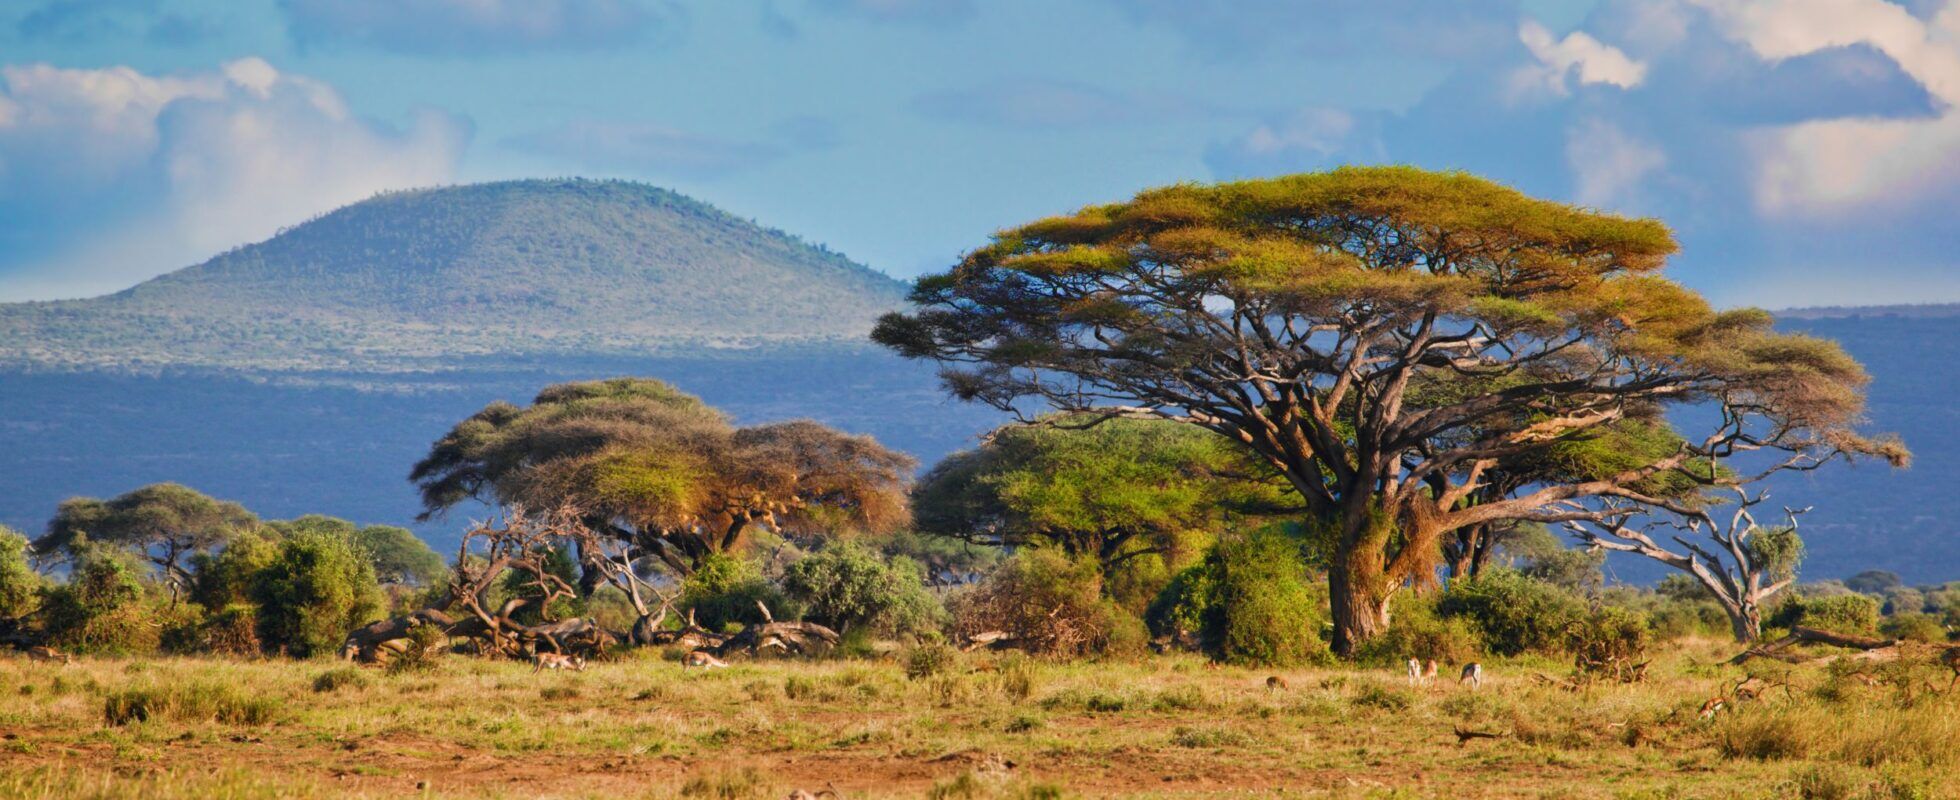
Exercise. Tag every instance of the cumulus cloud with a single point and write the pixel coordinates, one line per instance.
(1608, 165)
(1559, 61)
(1824, 166)
(182, 166)
(476, 26)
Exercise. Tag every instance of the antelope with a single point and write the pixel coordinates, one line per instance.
(1715, 705)
(1951, 658)
(1428, 671)
(545, 661)
(1415, 672)
(804, 794)
(48, 654)
(1276, 684)
(702, 659)
(1473, 672)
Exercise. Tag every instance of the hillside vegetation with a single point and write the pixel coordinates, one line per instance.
(420, 278)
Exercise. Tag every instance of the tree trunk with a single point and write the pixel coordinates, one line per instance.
(1358, 599)
(1746, 621)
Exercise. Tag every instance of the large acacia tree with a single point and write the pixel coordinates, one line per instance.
(663, 473)
(1386, 338)
(167, 523)
(1112, 491)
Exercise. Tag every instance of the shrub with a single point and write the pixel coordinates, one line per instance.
(1607, 637)
(1913, 627)
(1049, 603)
(1417, 632)
(1845, 613)
(1251, 602)
(1513, 613)
(20, 587)
(1673, 619)
(334, 680)
(189, 702)
(232, 631)
(724, 591)
(103, 607)
(849, 587)
(230, 576)
(316, 589)
(929, 660)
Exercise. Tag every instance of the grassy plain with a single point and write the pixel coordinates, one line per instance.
(988, 726)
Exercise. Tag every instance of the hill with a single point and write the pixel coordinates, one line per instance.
(419, 279)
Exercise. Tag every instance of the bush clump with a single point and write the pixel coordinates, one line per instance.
(1514, 614)
(1048, 603)
(1420, 633)
(724, 591)
(849, 588)
(316, 588)
(1251, 602)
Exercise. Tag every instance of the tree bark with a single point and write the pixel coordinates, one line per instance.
(1358, 598)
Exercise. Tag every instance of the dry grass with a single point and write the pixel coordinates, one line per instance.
(981, 726)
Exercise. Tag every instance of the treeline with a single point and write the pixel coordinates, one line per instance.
(1072, 540)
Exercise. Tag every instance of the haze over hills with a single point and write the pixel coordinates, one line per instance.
(420, 278)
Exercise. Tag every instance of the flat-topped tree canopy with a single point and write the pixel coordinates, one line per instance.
(663, 472)
(1312, 318)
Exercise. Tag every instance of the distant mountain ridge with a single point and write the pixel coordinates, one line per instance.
(414, 279)
(1906, 311)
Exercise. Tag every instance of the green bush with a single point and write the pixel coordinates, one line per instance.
(20, 586)
(1266, 610)
(1514, 614)
(316, 589)
(334, 680)
(1416, 631)
(1845, 613)
(1913, 627)
(1675, 619)
(190, 702)
(930, 659)
(1183, 604)
(849, 587)
(230, 576)
(1608, 637)
(724, 591)
(103, 608)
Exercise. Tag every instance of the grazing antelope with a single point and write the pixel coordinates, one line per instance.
(702, 659)
(1951, 658)
(1415, 672)
(1276, 684)
(1715, 705)
(1473, 672)
(545, 661)
(1428, 671)
(48, 654)
(804, 794)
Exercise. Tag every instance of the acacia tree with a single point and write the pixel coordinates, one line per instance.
(1112, 492)
(661, 472)
(167, 523)
(1305, 316)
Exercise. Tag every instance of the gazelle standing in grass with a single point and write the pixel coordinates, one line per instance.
(702, 659)
(1473, 673)
(48, 654)
(545, 661)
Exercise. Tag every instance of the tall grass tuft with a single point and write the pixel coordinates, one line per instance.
(189, 702)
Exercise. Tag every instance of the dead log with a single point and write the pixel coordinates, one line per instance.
(362, 643)
(1801, 635)
(800, 638)
(987, 639)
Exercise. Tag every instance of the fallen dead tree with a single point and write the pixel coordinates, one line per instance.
(521, 544)
(1803, 635)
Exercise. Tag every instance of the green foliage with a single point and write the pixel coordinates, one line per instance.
(1569, 569)
(20, 586)
(189, 702)
(1114, 489)
(398, 555)
(103, 608)
(1267, 611)
(1418, 632)
(334, 680)
(724, 590)
(1682, 587)
(1608, 637)
(930, 659)
(1185, 602)
(517, 268)
(231, 575)
(1513, 613)
(165, 522)
(1777, 551)
(1913, 627)
(1849, 613)
(317, 587)
(848, 587)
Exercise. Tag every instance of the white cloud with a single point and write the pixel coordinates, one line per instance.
(1558, 59)
(1608, 165)
(1826, 166)
(183, 166)
(1305, 139)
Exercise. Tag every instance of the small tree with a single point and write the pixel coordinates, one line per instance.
(654, 468)
(166, 523)
(848, 587)
(316, 588)
(103, 607)
(398, 555)
(1740, 563)
(20, 585)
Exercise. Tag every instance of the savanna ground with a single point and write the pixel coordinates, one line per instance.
(986, 726)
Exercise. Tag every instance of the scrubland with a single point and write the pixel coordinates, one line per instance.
(980, 725)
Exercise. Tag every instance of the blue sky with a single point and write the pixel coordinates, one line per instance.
(1806, 151)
